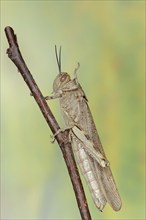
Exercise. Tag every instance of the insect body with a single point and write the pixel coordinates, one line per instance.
(87, 148)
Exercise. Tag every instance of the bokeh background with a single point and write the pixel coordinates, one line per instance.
(107, 38)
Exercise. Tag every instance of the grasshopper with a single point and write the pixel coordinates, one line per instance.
(86, 144)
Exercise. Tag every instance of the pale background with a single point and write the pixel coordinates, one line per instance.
(107, 38)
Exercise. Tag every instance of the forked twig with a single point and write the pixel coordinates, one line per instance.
(62, 138)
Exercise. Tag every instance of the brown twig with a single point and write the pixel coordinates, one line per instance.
(62, 138)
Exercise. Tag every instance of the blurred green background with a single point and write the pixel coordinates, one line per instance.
(107, 38)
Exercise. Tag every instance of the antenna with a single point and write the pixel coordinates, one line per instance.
(58, 58)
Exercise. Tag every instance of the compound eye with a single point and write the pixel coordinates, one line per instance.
(64, 77)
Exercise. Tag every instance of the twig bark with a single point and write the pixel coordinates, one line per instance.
(62, 138)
